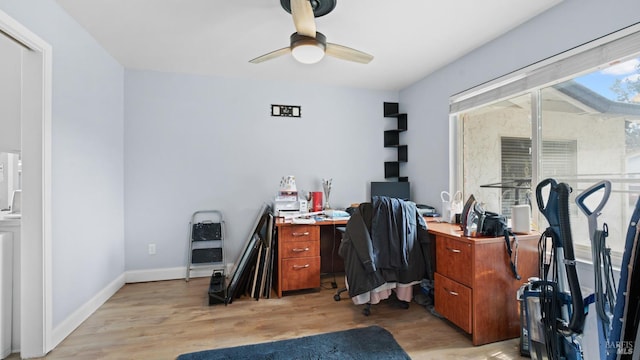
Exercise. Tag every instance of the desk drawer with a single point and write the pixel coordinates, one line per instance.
(295, 249)
(300, 273)
(298, 233)
(453, 301)
(454, 259)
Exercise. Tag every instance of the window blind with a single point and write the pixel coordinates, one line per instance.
(559, 159)
(515, 165)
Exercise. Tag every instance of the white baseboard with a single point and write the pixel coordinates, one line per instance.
(82, 313)
(135, 276)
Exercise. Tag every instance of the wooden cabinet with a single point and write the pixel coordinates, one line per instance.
(453, 301)
(474, 286)
(298, 257)
(454, 259)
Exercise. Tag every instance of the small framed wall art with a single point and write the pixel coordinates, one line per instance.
(286, 110)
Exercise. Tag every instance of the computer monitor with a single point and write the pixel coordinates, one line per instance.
(394, 189)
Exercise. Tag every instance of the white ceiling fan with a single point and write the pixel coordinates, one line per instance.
(307, 45)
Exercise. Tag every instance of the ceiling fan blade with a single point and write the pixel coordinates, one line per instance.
(303, 17)
(347, 53)
(271, 55)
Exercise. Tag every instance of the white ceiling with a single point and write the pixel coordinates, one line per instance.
(408, 38)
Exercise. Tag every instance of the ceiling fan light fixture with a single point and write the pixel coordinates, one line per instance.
(308, 53)
(308, 50)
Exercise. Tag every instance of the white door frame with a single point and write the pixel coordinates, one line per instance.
(35, 245)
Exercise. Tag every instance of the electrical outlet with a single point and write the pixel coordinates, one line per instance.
(152, 249)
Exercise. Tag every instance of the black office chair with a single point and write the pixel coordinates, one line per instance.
(367, 309)
(367, 213)
(367, 209)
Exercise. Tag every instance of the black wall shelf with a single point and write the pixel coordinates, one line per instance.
(391, 109)
(403, 155)
(392, 139)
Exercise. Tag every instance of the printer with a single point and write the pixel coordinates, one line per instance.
(286, 202)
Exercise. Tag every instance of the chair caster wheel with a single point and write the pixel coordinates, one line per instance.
(367, 310)
(336, 297)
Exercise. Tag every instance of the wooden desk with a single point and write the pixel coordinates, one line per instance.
(300, 250)
(474, 286)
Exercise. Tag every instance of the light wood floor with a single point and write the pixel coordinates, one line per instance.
(161, 320)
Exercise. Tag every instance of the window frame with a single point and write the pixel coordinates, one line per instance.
(592, 56)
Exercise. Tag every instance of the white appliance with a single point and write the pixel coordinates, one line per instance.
(521, 219)
(286, 202)
(16, 202)
(6, 292)
(16, 207)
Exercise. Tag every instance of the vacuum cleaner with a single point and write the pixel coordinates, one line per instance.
(555, 309)
(617, 314)
(603, 300)
(623, 342)
(559, 324)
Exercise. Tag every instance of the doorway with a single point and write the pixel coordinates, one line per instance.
(35, 243)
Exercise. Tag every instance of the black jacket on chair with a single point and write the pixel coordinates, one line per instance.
(383, 243)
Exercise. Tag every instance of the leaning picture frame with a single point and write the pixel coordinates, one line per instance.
(244, 257)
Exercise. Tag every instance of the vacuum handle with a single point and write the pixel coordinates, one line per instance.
(541, 204)
(604, 184)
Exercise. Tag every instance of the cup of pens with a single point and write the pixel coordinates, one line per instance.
(326, 187)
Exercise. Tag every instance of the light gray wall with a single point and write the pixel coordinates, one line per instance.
(87, 156)
(563, 27)
(196, 143)
(10, 95)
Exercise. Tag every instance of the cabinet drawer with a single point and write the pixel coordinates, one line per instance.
(300, 249)
(298, 233)
(300, 273)
(454, 259)
(453, 301)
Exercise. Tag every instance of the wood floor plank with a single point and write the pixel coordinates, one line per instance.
(161, 320)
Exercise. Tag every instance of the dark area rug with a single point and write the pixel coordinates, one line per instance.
(372, 342)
